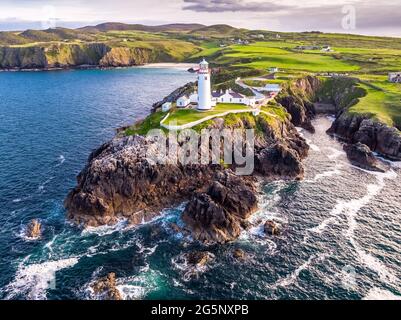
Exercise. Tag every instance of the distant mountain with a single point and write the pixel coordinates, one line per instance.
(222, 29)
(117, 26)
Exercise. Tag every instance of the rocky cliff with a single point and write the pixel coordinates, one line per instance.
(354, 128)
(378, 137)
(121, 181)
(73, 55)
(297, 97)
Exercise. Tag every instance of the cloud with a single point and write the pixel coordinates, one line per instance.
(232, 6)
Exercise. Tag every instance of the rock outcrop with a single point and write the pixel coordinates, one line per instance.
(198, 258)
(34, 229)
(106, 288)
(217, 215)
(122, 181)
(361, 156)
(297, 99)
(271, 228)
(377, 136)
(62, 55)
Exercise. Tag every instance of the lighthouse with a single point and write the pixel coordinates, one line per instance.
(204, 88)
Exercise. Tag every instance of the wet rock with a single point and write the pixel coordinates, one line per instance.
(360, 155)
(106, 288)
(217, 215)
(239, 254)
(175, 227)
(377, 136)
(34, 229)
(272, 228)
(280, 160)
(198, 258)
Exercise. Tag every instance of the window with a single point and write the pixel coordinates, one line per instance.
(205, 78)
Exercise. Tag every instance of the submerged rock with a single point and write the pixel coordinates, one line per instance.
(272, 228)
(34, 229)
(106, 288)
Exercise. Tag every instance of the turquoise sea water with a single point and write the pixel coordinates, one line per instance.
(342, 225)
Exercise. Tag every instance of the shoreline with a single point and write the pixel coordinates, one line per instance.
(161, 65)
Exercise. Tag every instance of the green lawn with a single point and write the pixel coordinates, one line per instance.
(261, 55)
(182, 116)
(382, 102)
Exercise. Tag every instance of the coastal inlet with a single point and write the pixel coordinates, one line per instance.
(339, 234)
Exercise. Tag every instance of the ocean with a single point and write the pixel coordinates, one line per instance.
(341, 225)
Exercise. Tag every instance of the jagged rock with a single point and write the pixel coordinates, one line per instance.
(280, 160)
(175, 227)
(297, 101)
(239, 254)
(271, 228)
(122, 181)
(360, 155)
(377, 136)
(34, 229)
(216, 216)
(106, 288)
(198, 258)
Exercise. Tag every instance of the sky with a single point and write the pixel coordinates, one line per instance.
(375, 17)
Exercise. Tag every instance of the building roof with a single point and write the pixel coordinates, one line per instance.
(217, 94)
(183, 98)
(236, 95)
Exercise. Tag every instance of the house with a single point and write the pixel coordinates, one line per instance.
(273, 69)
(272, 87)
(394, 77)
(183, 102)
(230, 96)
(327, 49)
(166, 106)
(278, 36)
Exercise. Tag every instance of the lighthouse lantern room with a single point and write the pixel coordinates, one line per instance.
(204, 87)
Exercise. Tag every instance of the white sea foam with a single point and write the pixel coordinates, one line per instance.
(106, 230)
(335, 153)
(293, 277)
(33, 280)
(381, 294)
(61, 160)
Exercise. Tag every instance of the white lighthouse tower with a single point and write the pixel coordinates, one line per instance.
(204, 87)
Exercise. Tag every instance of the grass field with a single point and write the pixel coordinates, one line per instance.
(182, 116)
(382, 102)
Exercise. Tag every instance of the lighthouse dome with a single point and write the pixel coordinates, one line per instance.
(203, 63)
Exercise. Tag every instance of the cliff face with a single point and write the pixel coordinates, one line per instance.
(120, 181)
(297, 98)
(377, 136)
(24, 58)
(72, 55)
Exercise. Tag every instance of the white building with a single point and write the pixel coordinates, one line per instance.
(273, 69)
(204, 87)
(183, 102)
(166, 106)
(394, 77)
(230, 96)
